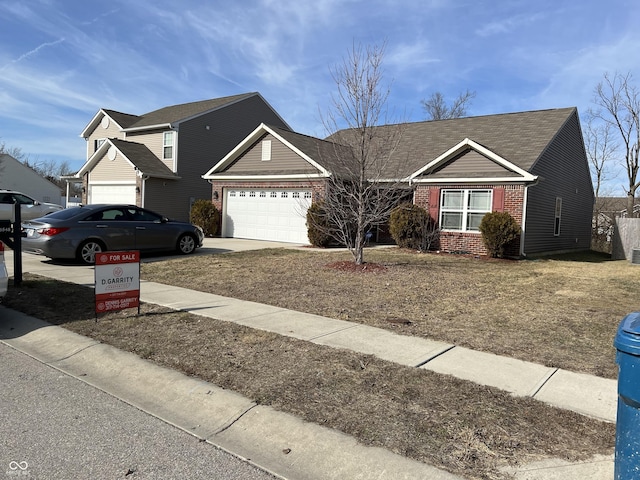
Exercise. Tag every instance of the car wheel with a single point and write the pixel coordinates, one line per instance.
(87, 251)
(186, 244)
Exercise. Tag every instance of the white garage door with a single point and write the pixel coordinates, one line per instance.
(277, 215)
(112, 194)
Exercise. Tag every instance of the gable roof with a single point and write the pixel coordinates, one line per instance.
(166, 117)
(306, 147)
(138, 155)
(23, 173)
(517, 138)
(500, 169)
(124, 120)
(143, 159)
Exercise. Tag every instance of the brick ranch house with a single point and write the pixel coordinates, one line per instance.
(530, 164)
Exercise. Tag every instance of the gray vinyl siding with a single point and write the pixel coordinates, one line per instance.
(200, 148)
(564, 172)
(283, 160)
(471, 164)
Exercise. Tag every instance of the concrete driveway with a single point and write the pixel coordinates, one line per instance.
(210, 246)
(224, 245)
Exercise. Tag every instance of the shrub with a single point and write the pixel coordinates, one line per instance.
(498, 230)
(206, 216)
(411, 227)
(318, 227)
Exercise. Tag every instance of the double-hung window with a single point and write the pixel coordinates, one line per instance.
(462, 210)
(167, 145)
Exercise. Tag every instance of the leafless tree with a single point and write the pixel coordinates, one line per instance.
(50, 169)
(601, 148)
(15, 152)
(364, 186)
(437, 109)
(619, 101)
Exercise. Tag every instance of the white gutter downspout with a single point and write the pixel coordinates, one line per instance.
(524, 216)
(524, 221)
(66, 201)
(143, 182)
(144, 188)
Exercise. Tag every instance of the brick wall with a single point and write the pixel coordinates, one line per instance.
(470, 242)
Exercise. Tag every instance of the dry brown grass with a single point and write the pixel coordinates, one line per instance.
(560, 312)
(465, 428)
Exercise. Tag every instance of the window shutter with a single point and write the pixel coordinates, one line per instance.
(498, 200)
(434, 203)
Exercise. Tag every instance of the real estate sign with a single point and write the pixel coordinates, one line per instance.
(117, 280)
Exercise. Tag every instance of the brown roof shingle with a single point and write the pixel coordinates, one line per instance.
(143, 159)
(519, 138)
(176, 113)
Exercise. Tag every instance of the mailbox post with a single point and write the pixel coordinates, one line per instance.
(11, 234)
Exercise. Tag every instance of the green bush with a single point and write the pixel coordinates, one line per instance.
(411, 227)
(498, 230)
(318, 227)
(206, 216)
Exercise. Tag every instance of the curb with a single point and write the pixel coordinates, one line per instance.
(279, 443)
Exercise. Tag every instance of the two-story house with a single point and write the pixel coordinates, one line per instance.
(156, 160)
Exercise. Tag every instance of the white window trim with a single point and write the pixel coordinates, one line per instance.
(557, 218)
(465, 207)
(166, 145)
(97, 143)
(266, 150)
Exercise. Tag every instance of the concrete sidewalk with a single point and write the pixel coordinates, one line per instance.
(588, 395)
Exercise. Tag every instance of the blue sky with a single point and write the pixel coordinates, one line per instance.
(62, 60)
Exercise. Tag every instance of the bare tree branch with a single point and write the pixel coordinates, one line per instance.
(619, 101)
(436, 107)
(364, 184)
(601, 148)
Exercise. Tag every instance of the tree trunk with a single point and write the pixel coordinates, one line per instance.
(631, 200)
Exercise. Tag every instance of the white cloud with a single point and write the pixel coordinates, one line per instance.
(33, 52)
(509, 24)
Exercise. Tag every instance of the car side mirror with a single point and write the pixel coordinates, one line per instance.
(164, 220)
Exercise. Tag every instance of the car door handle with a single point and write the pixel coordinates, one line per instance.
(102, 226)
(140, 228)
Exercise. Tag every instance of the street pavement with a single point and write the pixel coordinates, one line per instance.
(585, 394)
(54, 426)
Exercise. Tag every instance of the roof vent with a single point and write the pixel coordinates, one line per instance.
(635, 256)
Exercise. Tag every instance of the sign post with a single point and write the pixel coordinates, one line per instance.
(117, 281)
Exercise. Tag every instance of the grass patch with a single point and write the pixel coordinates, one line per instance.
(561, 312)
(465, 428)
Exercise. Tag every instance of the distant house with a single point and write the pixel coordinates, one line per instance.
(156, 160)
(15, 175)
(530, 164)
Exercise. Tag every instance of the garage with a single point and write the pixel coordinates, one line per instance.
(267, 214)
(112, 193)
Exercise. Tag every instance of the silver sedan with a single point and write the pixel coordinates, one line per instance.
(81, 232)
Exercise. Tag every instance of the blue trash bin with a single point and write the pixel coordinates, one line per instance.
(627, 343)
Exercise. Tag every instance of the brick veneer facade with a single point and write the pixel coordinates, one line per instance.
(508, 198)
